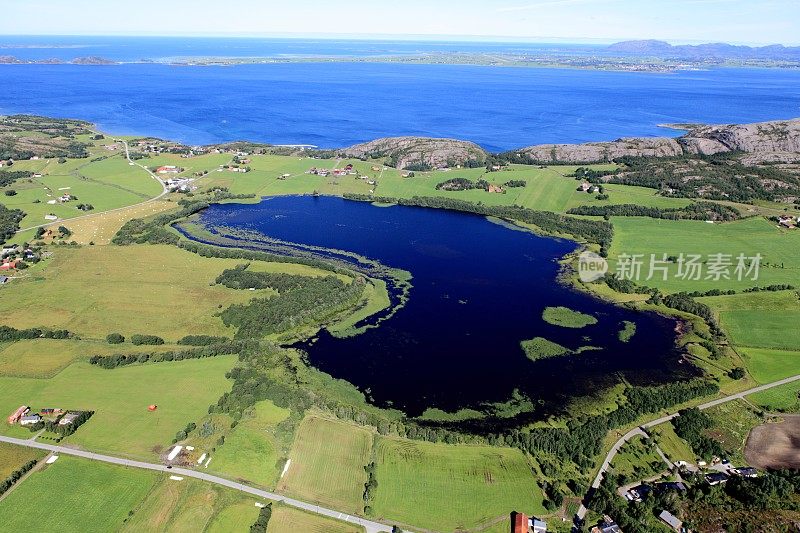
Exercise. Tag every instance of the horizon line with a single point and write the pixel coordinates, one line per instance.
(394, 37)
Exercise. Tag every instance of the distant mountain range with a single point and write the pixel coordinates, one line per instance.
(653, 48)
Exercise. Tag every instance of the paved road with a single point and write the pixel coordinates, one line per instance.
(370, 526)
(640, 430)
(164, 191)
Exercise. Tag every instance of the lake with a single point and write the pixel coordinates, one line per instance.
(333, 105)
(479, 289)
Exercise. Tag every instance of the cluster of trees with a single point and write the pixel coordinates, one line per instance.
(149, 340)
(741, 502)
(241, 278)
(593, 231)
(85, 207)
(16, 475)
(771, 288)
(261, 523)
(462, 184)
(716, 177)
(9, 177)
(63, 430)
(182, 434)
(202, 340)
(308, 303)
(8, 333)
(115, 338)
(514, 184)
(153, 231)
(695, 211)
(369, 488)
(593, 176)
(690, 426)
(581, 440)
(9, 222)
(681, 301)
(117, 360)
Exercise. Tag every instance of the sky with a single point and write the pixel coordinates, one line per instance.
(677, 21)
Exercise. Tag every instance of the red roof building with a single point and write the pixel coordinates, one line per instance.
(519, 523)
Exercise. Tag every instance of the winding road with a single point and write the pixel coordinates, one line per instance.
(640, 430)
(164, 192)
(369, 526)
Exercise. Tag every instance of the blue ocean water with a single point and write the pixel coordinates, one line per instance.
(338, 104)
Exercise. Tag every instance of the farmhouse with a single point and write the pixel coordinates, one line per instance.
(745, 471)
(19, 413)
(787, 221)
(168, 169)
(671, 520)
(495, 189)
(716, 478)
(607, 525)
(585, 187)
(29, 420)
(3, 280)
(68, 419)
(10, 265)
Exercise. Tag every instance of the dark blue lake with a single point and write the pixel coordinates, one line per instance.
(479, 288)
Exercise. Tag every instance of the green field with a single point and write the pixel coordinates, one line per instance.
(567, 318)
(785, 398)
(94, 291)
(191, 505)
(251, 450)
(75, 495)
(780, 249)
(761, 319)
(44, 358)
(290, 520)
(732, 424)
(13, 457)
(122, 425)
(674, 447)
(105, 184)
(767, 365)
(444, 487)
(327, 464)
(638, 460)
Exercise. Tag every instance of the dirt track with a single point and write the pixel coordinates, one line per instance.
(775, 445)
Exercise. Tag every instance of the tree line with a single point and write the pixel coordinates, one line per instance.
(9, 222)
(695, 211)
(8, 333)
(16, 475)
(118, 360)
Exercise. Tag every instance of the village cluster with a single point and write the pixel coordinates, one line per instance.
(25, 417)
(13, 257)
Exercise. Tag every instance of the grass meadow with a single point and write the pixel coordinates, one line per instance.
(327, 464)
(780, 249)
(290, 520)
(93, 291)
(122, 425)
(251, 451)
(785, 398)
(12, 457)
(761, 319)
(191, 505)
(75, 495)
(444, 487)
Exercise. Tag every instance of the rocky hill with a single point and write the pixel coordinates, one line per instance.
(777, 141)
(661, 49)
(420, 153)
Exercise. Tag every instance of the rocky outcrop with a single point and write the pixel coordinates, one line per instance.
(420, 152)
(603, 151)
(759, 138)
(769, 141)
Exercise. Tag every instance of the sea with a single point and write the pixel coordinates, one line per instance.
(335, 104)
